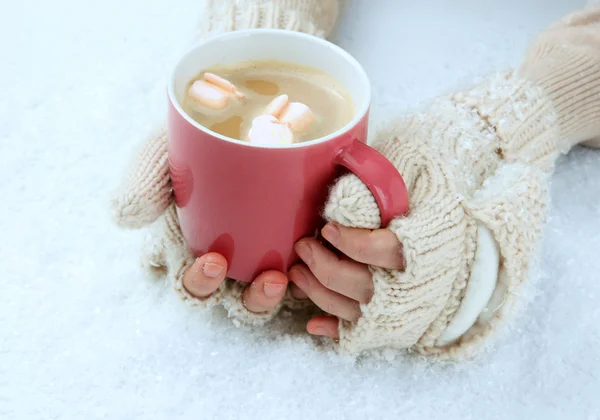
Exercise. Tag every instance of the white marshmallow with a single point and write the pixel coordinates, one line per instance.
(275, 108)
(224, 84)
(209, 95)
(214, 91)
(297, 115)
(268, 130)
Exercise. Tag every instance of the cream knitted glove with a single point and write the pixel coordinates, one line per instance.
(146, 196)
(477, 166)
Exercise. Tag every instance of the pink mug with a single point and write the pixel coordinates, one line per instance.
(251, 203)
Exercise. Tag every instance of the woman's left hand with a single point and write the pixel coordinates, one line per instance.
(338, 285)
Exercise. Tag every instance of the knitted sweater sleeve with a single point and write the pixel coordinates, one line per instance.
(476, 162)
(314, 17)
(146, 197)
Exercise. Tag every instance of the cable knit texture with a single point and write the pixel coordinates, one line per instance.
(483, 156)
(314, 17)
(146, 195)
(565, 61)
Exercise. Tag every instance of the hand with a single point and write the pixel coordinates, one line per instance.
(146, 197)
(338, 285)
(207, 273)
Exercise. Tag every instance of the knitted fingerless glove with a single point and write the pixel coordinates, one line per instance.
(477, 166)
(146, 195)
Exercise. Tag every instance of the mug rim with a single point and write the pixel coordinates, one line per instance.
(361, 112)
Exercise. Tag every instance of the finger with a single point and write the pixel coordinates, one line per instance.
(326, 326)
(375, 247)
(205, 276)
(328, 300)
(346, 277)
(265, 292)
(297, 292)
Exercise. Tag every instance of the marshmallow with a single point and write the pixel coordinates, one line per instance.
(296, 115)
(226, 85)
(268, 130)
(214, 91)
(277, 105)
(209, 95)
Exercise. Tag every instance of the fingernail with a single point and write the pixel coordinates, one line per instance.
(273, 289)
(331, 233)
(304, 251)
(319, 331)
(212, 270)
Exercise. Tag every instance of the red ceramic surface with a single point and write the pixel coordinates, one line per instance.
(252, 204)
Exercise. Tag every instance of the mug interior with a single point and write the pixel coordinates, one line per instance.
(279, 45)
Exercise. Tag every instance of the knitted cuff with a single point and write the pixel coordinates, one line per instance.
(314, 17)
(146, 192)
(565, 62)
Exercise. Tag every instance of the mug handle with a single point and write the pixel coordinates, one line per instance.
(380, 176)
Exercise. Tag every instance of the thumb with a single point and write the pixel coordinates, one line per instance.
(351, 204)
(146, 191)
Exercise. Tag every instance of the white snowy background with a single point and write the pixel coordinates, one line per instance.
(86, 334)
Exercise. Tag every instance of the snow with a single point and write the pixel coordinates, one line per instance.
(86, 334)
